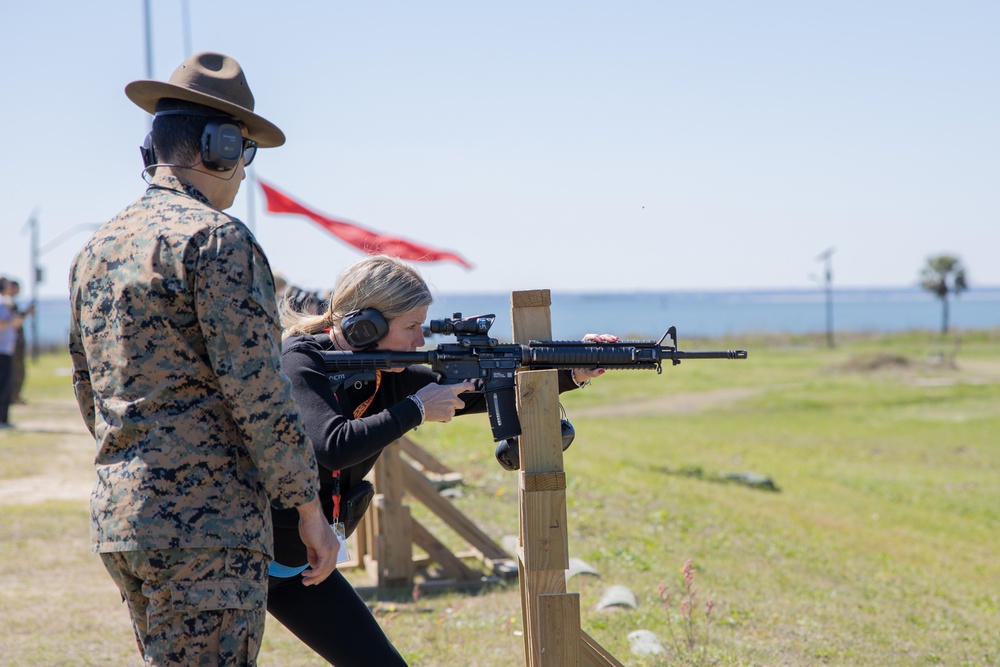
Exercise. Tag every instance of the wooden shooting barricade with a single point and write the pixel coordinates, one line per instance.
(551, 616)
(385, 538)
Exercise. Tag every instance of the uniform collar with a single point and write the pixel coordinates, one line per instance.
(169, 182)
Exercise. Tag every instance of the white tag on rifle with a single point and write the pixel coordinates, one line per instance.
(342, 554)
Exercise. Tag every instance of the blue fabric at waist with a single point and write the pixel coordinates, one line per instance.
(280, 571)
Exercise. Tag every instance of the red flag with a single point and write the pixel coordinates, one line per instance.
(370, 242)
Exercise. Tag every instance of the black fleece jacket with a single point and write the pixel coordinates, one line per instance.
(342, 442)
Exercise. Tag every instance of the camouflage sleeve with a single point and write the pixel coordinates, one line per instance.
(81, 371)
(236, 309)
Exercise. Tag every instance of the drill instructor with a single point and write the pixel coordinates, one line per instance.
(175, 345)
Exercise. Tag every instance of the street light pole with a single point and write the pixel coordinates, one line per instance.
(828, 281)
(36, 277)
(148, 17)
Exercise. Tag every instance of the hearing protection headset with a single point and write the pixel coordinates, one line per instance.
(221, 141)
(363, 328)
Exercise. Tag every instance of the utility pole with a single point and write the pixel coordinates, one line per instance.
(825, 257)
(36, 277)
(186, 27)
(38, 272)
(251, 216)
(148, 18)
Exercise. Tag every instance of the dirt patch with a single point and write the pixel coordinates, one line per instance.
(68, 471)
(869, 363)
(42, 488)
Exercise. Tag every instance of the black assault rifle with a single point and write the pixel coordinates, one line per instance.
(475, 356)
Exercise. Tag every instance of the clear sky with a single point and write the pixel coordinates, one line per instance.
(575, 145)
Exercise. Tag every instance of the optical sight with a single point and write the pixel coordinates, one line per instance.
(476, 325)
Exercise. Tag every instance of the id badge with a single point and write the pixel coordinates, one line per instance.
(342, 554)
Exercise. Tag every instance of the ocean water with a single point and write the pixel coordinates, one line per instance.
(646, 315)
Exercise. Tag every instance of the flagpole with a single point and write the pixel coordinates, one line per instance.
(148, 15)
(251, 203)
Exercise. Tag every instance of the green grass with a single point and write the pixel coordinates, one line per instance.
(879, 547)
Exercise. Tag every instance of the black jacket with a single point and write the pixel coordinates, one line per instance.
(342, 442)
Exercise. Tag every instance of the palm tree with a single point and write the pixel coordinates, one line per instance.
(944, 275)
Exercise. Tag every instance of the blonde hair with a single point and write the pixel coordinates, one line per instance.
(387, 284)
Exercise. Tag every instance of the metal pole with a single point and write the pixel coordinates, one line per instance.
(251, 203)
(828, 280)
(186, 26)
(37, 272)
(148, 16)
(35, 279)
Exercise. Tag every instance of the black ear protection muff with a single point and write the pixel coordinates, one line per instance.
(221, 141)
(148, 156)
(363, 328)
(508, 452)
(221, 145)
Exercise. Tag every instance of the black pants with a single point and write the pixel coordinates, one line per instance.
(6, 377)
(332, 620)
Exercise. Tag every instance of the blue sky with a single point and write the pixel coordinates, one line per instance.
(579, 146)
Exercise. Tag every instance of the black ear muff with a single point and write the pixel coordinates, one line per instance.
(363, 328)
(221, 145)
(508, 451)
(148, 156)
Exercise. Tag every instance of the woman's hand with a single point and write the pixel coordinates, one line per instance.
(583, 375)
(441, 400)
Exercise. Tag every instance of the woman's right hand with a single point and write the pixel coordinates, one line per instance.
(441, 400)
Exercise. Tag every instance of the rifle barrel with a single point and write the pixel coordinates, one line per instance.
(712, 354)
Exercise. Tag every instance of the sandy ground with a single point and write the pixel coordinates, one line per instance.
(69, 473)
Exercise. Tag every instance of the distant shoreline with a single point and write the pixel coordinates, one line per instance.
(646, 315)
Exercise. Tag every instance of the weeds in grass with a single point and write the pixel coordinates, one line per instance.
(686, 637)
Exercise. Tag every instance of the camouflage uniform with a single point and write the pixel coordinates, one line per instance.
(176, 347)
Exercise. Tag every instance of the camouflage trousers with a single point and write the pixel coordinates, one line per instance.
(194, 607)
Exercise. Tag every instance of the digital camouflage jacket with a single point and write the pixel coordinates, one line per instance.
(176, 367)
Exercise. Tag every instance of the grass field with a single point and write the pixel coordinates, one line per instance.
(878, 545)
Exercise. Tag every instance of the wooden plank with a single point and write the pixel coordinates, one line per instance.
(536, 298)
(593, 654)
(439, 553)
(423, 491)
(538, 409)
(543, 530)
(530, 316)
(424, 458)
(559, 630)
(543, 481)
(394, 541)
(527, 614)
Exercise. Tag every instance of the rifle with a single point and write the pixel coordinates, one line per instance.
(476, 356)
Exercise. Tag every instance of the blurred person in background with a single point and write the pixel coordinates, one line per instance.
(10, 323)
(20, 346)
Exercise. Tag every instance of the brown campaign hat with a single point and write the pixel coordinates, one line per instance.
(215, 80)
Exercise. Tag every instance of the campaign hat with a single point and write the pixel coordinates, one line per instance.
(214, 80)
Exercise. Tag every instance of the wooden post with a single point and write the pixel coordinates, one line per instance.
(552, 634)
(392, 529)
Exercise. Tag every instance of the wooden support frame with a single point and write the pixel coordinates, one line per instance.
(551, 616)
(384, 540)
